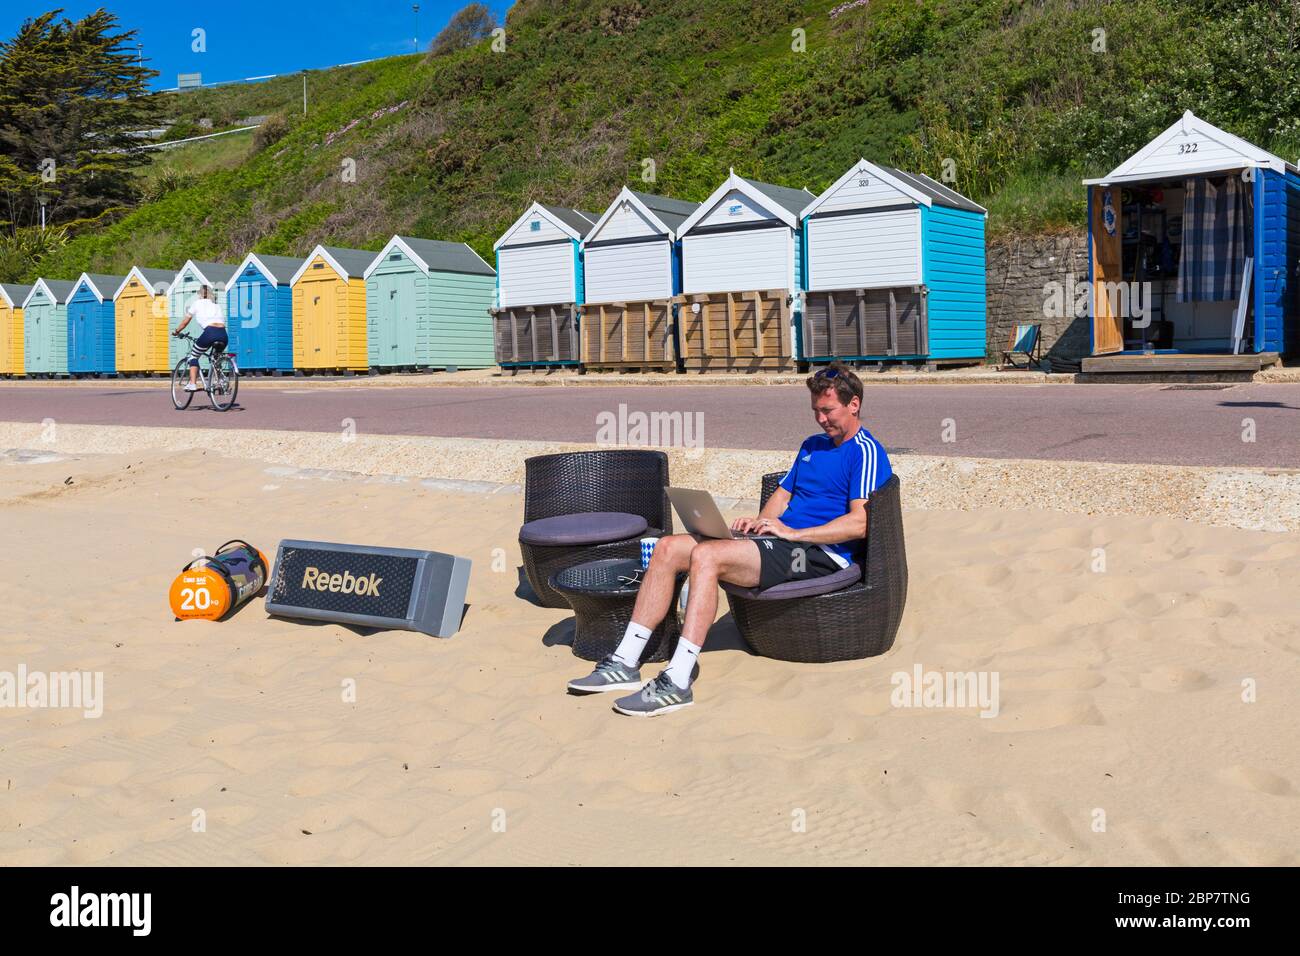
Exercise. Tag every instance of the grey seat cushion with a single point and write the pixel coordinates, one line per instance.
(797, 589)
(594, 527)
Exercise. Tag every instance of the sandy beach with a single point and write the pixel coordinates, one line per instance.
(1121, 734)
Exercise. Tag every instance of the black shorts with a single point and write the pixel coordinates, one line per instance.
(781, 561)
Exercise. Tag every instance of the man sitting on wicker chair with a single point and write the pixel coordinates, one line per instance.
(814, 519)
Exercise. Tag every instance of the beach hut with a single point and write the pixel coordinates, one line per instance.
(428, 305)
(540, 287)
(632, 269)
(740, 277)
(185, 287)
(1192, 244)
(893, 269)
(143, 323)
(259, 310)
(11, 328)
(329, 309)
(92, 340)
(45, 328)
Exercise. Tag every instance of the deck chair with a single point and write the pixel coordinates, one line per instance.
(1027, 341)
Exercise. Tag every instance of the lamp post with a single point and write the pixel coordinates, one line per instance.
(415, 7)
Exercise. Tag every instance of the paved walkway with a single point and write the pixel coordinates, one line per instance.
(1118, 423)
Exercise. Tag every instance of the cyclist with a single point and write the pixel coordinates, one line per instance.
(212, 320)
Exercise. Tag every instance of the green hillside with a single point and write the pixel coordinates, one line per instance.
(586, 90)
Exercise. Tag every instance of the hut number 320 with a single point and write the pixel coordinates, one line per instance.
(193, 599)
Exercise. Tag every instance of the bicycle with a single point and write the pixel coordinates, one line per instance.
(219, 377)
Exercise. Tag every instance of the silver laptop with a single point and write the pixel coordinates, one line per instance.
(701, 515)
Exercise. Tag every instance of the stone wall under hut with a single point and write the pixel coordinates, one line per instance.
(1020, 269)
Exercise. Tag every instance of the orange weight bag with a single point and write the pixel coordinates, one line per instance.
(211, 588)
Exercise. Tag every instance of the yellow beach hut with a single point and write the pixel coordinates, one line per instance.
(141, 313)
(11, 328)
(329, 310)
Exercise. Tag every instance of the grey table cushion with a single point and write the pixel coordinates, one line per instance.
(595, 527)
(797, 589)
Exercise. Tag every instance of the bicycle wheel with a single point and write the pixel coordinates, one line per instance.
(180, 376)
(224, 384)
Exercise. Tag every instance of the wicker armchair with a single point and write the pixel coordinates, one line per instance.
(860, 620)
(584, 482)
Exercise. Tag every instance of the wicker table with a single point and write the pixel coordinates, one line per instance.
(602, 607)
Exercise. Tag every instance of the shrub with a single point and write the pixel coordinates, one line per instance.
(273, 129)
(470, 25)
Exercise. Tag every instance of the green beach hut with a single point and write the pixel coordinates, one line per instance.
(45, 327)
(427, 306)
(185, 288)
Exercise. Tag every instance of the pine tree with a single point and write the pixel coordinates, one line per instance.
(72, 93)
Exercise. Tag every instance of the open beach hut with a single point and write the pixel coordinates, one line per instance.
(740, 277)
(259, 310)
(428, 306)
(894, 269)
(540, 287)
(143, 321)
(185, 287)
(329, 309)
(1192, 244)
(11, 328)
(45, 328)
(632, 269)
(92, 339)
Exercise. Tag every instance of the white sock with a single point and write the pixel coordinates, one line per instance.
(679, 669)
(632, 646)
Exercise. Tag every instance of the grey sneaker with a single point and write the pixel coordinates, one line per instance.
(660, 696)
(610, 674)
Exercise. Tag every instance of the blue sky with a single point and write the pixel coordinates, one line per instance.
(246, 38)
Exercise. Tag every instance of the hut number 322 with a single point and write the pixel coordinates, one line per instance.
(1187, 147)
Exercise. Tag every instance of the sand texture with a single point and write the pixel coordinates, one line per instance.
(1121, 737)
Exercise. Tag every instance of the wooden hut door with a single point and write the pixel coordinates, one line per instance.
(1107, 267)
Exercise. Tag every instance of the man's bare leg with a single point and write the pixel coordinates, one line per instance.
(672, 556)
(735, 561)
(710, 562)
(622, 669)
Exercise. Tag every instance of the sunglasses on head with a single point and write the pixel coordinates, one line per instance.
(827, 373)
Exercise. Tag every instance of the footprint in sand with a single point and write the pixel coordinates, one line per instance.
(1044, 715)
(225, 736)
(137, 726)
(1256, 779)
(1062, 680)
(104, 773)
(1172, 679)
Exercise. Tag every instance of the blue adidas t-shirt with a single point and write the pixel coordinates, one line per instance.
(826, 477)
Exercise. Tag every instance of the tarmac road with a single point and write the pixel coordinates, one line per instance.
(1119, 423)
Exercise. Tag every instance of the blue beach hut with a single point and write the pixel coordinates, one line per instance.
(92, 346)
(259, 306)
(894, 270)
(1192, 245)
